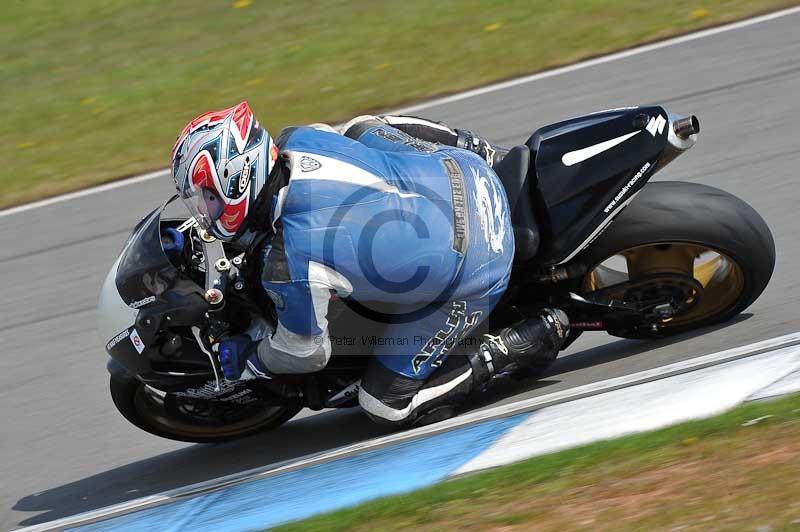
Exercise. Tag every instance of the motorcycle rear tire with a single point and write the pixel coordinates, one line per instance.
(691, 213)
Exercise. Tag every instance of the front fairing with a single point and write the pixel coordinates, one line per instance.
(145, 293)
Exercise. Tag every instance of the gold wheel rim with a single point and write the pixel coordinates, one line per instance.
(721, 277)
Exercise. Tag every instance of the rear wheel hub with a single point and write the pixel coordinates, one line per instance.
(673, 283)
(657, 296)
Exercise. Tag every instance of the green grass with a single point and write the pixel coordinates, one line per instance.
(707, 474)
(96, 90)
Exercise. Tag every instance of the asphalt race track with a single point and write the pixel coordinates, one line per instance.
(66, 450)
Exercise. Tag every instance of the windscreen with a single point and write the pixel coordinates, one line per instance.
(145, 275)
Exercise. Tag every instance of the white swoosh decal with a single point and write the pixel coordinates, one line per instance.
(578, 156)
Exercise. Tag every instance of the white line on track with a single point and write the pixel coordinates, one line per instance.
(453, 98)
(86, 192)
(602, 59)
(526, 405)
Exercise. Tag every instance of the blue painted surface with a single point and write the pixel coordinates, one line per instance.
(321, 488)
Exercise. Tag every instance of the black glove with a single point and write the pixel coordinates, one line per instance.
(467, 140)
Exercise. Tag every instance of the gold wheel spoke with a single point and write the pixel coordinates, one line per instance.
(705, 271)
(719, 280)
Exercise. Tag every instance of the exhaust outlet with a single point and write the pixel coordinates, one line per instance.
(682, 131)
(686, 127)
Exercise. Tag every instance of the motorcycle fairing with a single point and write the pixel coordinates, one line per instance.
(587, 169)
(142, 290)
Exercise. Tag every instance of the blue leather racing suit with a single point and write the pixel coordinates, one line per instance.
(384, 220)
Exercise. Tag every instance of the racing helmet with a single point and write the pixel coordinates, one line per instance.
(220, 163)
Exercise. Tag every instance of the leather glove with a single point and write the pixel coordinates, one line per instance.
(467, 140)
(234, 353)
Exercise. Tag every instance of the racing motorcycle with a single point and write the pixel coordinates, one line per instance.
(678, 256)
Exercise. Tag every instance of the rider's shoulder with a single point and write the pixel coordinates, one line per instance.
(312, 134)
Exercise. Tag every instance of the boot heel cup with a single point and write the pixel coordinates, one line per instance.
(557, 320)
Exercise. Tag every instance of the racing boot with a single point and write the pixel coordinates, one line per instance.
(533, 343)
(467, 140)
(529, 346)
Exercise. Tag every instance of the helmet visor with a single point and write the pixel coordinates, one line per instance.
(205, 205)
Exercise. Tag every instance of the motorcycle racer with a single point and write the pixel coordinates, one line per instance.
(397, 210)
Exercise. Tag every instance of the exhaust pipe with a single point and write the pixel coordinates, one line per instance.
(682, 131)
(686, 127)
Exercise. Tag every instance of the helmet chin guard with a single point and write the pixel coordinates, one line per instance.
(220, 163)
